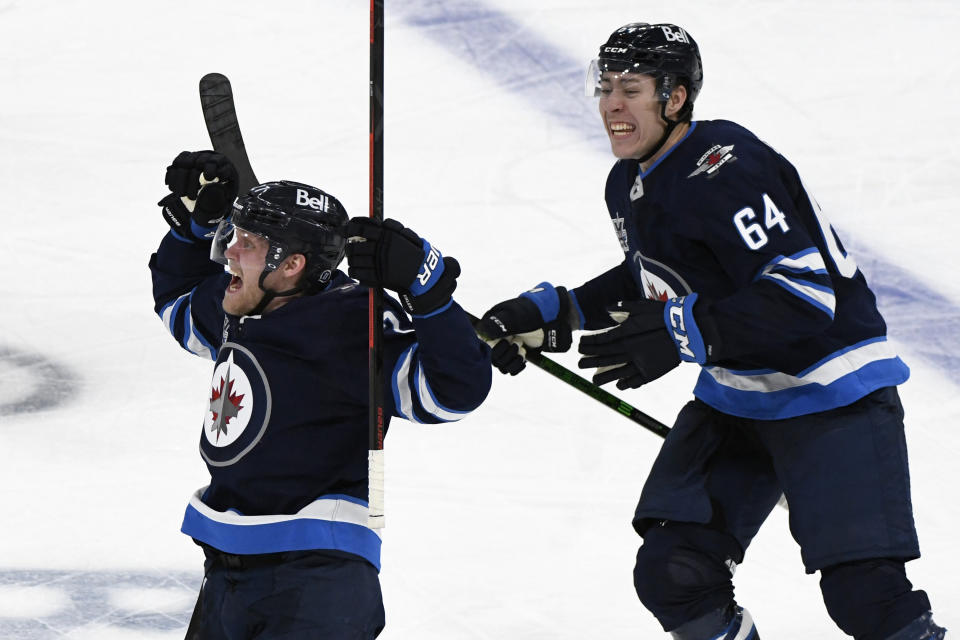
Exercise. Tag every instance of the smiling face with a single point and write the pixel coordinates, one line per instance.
(631, 113)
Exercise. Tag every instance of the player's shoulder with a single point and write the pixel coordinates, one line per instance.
(714, 145)
(722, 157)
(351, 300)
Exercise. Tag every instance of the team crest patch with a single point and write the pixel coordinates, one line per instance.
(659, 281)
(715, 157)
(239, 407)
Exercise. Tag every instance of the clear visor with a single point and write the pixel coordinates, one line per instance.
(603, 71)
(225, 237)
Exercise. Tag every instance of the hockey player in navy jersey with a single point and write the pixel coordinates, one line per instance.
(283, 522)
(730, 264)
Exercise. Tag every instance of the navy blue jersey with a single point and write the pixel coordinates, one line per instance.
(285, 433)
(724, 216)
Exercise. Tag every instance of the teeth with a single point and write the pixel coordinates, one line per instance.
(621, 127)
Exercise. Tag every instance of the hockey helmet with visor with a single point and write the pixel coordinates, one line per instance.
(294, 218)
(665, 52)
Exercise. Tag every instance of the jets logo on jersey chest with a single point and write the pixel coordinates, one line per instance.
(239, 407)
(711, 161)
(657, 280)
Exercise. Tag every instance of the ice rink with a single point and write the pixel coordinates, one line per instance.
(515, 523)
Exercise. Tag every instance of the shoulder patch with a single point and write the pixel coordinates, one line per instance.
(711, 161)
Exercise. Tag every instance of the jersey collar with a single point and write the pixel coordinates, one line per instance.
(644, 174)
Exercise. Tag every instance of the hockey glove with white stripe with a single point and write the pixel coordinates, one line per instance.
(202, 184)
(536, 319)
(651, 338)
(387, 254)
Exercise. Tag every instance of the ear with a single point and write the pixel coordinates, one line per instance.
(293, 265)
(677, 97)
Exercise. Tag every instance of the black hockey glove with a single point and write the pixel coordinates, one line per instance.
(536, 319)
(203, 184)
(387, 254)
(651, 339)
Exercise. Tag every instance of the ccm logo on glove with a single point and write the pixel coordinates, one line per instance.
(678, 315)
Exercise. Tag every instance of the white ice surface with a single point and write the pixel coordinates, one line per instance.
(515, 523)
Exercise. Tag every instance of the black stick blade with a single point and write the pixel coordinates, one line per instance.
(220, 114)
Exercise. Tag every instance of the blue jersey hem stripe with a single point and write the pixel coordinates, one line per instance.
(804, 399)
(289, 535)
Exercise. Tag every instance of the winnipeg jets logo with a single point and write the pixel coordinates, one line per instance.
(230, 404)
(715, 157)
(636, 191)
(657, 280)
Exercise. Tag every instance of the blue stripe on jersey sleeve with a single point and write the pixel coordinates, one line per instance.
(429, 401)
(805, 276)
(178, 318)
(820, 297)
(412, 393)
(400, 384)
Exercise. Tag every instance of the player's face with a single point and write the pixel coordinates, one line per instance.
(631, 113)
(246, 257)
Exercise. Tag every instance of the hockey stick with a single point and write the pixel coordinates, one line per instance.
(220, 114)
(583, 385)
(375, 477)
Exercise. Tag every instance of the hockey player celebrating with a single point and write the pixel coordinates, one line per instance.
(730, 264)
(283, 522)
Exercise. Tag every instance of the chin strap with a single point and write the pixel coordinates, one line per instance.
(671, 125)
(269, 294)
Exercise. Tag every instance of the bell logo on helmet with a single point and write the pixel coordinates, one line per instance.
(675, 36)
(304, 200)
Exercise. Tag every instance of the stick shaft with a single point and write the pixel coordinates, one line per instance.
(375, 476)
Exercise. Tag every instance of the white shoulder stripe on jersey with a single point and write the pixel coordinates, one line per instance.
(823, 373)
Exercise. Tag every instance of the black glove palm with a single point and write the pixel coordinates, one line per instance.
(634, 353)
(387, 254)
(202, 186)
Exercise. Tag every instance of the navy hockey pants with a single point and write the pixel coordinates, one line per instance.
(302, 595)
(844, 473)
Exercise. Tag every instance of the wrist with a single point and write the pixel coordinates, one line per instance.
(436, 297)
(678, 315)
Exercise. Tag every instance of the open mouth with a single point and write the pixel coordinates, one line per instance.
(236, 282)
(621, 129)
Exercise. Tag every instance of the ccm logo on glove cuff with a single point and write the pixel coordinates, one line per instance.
(678, 316)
